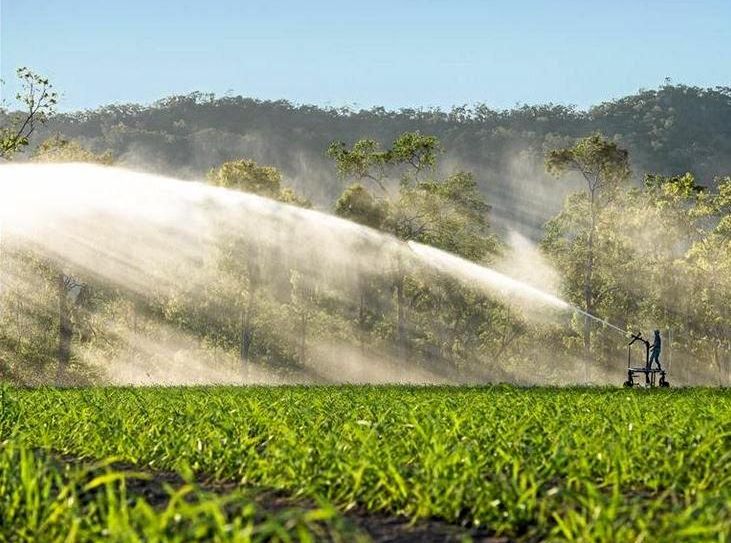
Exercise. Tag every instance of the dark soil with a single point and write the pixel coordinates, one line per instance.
(380, 527)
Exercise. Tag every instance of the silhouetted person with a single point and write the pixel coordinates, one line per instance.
(655, 351)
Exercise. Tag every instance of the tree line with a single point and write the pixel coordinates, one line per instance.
(675, 128)
(655, 253)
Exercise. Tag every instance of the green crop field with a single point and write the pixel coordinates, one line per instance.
(526, 464)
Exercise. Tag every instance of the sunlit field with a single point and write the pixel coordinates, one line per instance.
(528, 464)
(389, 272)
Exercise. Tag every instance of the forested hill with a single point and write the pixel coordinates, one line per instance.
(670, 130)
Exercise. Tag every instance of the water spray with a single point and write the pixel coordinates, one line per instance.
(483, 276)
(146, 233)
(499, 283)
(601, 321)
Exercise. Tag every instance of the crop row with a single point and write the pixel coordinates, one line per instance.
(575, 464)
(43, 499)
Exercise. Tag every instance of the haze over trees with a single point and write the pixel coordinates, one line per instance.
(670, 130)
(639, 241)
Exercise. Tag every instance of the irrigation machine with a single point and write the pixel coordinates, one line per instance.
(653, 376)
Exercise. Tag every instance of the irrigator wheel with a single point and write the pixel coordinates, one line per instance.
(628, 384)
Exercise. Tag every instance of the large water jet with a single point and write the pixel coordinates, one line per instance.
(153, 236)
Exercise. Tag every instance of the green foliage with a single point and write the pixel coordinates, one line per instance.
(410, 154)
(528, 464)
(289, 196)
(416, 150)
(365, 160)
(451, 215)
(59, 149)
(248, 176)
(658, 255)
(602, 164)
(578, 238)
(707, 265)
(37, 101)
(42, 499)
(358, 205)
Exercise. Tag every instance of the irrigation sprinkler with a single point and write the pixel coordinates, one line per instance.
(651, 374)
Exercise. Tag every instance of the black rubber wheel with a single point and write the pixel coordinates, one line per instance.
(664, 383)
(628, 384)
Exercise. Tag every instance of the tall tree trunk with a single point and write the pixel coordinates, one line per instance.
(589, 278)
(247, 332)
(3, 370)
(717, 362)
(726, 355)
(722, 360)
(64, 330)
(401, 317)
(303, 336)
(18, 321)
(362, 318)
(135, 316)
(247, 315)
(589, 286)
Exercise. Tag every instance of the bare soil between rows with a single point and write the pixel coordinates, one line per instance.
(378, 526)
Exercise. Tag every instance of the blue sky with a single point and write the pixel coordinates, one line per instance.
(394, 53)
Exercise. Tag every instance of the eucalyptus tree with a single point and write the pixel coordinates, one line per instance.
(58, 148)
(449, 213)
(37, 101)
(248, 176)
(72, 292)
(46, 301)
(576, 234)
(709, 272)
(410, 156)
(357, 204)
(34, 103)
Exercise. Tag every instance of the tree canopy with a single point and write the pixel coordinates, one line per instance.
(669, 130)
